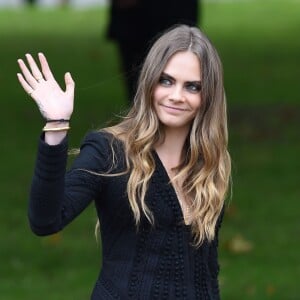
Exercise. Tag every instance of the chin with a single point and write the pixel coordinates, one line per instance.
(176, 125)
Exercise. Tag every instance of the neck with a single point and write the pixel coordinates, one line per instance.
(170, 150)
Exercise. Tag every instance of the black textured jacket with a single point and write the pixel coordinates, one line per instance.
(149, 263)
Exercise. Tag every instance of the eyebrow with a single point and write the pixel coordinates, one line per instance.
(173, 79)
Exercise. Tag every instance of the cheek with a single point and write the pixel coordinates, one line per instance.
(158, 93)
(196, 103)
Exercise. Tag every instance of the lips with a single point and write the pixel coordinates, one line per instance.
(173, 108)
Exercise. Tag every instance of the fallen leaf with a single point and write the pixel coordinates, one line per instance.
(238, 244)
(53, 239)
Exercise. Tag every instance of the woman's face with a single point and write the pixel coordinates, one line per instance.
(177, 96)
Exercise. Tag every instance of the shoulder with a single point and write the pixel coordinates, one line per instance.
(96, 139)
(98, 148)
(101, 140)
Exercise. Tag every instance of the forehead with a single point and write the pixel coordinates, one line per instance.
(184, 64)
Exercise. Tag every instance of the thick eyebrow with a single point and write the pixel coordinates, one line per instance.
(167, 76)
(173, 79)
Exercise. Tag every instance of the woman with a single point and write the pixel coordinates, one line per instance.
(158, 178)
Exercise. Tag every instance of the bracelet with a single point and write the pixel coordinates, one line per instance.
(58, 121)
(45, 129)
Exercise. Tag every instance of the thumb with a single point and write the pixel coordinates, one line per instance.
(70, 84)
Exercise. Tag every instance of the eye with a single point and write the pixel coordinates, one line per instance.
(193, 87)
(164, 81)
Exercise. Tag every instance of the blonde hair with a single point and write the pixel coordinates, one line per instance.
(206, 169)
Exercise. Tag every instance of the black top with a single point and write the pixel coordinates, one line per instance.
(152, 262)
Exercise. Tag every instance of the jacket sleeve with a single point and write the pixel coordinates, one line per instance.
(213, 262)
(57, 196)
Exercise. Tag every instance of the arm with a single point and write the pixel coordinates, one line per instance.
(57, 198)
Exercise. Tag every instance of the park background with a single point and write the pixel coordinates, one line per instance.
(259, 45)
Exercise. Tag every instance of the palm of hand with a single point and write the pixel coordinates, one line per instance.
(53, 102)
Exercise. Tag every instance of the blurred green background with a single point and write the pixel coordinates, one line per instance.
(259, 44)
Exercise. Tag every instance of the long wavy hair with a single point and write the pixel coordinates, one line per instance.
(206, 169)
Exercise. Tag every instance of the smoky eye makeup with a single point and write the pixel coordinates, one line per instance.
(193, 86)
(165, 80)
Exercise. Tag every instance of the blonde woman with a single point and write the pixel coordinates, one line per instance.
(158, 178)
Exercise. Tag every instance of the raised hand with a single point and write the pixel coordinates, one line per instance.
(40, 84)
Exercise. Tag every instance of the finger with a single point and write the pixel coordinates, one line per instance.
(34, 68)
(70, 84)
(27, 88)
(45, 67)
(27, 74)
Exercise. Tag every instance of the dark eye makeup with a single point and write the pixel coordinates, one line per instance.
(191, 86)
(165, 80)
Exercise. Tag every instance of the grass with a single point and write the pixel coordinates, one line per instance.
(259, 49)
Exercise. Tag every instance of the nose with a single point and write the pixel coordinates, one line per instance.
(177, 94)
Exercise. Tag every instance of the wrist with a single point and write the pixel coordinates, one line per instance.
(50, 123)
(56, 125)
(54, 138)
(56, 130)
(61, 120)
